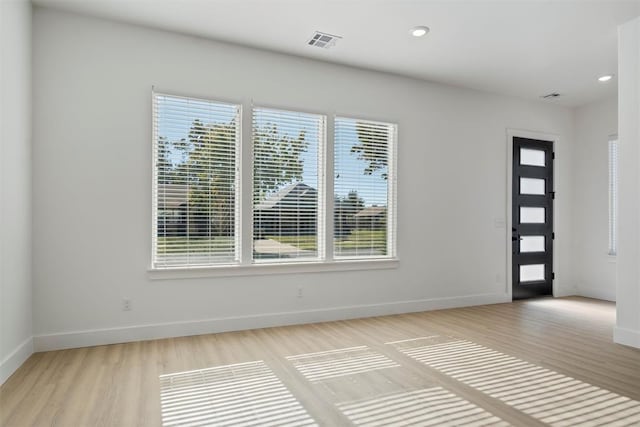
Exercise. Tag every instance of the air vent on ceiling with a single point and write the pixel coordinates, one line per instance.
(323, 40)
(551, 95)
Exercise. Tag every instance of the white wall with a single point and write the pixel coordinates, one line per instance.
(627, 329)
(15, 185)
(594, 270)
(92, 174)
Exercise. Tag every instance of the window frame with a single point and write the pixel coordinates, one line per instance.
(392, 201)
(237, 237)
(245, 264)
(613, 169)
(321, 215)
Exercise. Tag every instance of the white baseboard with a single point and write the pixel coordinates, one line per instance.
(199, 327)
(626, 336)
(560, 291)
(15, 359)
(596, 293)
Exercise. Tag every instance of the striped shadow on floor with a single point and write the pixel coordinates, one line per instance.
(433, 406)
(325, 365)
(550, 397)
(247, 394)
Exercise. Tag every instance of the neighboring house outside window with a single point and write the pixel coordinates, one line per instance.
(172, 210)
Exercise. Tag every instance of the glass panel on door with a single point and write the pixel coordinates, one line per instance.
(532, 244)
(531, 273)
(530, 215)
(534, 186)
(529, 157)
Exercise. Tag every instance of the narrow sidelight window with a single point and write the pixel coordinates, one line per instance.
(613, 196)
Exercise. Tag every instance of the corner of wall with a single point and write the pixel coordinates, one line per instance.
(627, 329)
(16, 224)
(15, 359)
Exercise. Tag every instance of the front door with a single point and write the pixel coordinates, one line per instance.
(532, 232)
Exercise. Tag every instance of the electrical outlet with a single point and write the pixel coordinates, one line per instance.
(299, 291)
(126, 304)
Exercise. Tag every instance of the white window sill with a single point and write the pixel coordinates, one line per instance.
(272, 268)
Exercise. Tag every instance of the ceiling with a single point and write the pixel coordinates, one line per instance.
(519, 48)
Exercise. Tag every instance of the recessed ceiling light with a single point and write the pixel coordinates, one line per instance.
(419, 31)
(605, 78)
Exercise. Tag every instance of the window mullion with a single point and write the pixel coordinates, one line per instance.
(329, 192)
(246, 186)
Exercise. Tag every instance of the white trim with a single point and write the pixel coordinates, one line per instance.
(246, 185)
(367, 118)
(324, 193)
(287, 108)
(272, 268)
(601, 294)
(15, 359)
(392, 195)
(613, 166)
(511, 133)
(569, 291)
(328, 170)
(626, 336)
(197, 96)
(209, 326)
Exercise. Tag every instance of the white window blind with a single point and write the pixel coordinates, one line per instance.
(613, 196)
(364, 199)
(287, 193)
(195, 182)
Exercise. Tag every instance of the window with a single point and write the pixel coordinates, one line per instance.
(214, 206)
(613, 196)
(364, 201)
(195, 182)
(287, 193)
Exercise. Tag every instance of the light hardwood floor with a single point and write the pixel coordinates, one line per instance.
(539, 362)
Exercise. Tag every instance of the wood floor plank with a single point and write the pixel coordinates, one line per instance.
(119, 385)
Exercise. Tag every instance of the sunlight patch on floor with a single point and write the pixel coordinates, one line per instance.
(598, 312)
(247, 394)
(548, 396)
(427, 407)
(330, 364)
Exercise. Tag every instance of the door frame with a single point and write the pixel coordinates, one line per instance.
(511, 133)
